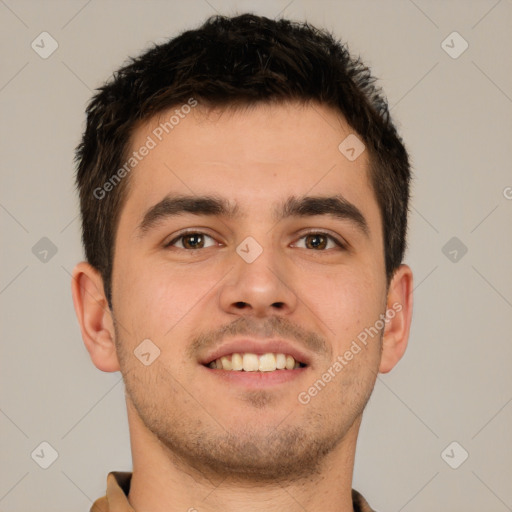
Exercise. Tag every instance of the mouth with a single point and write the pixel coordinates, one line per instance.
(250, 362)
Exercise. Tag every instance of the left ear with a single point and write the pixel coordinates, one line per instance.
(398, 318)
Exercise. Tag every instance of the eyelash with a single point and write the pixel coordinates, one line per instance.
(338, 243)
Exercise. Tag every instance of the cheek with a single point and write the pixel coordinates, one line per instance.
(155, 298)
(347, 302)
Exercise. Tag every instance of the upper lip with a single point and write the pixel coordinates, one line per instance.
(258, 347)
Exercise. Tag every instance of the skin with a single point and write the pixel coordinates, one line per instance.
(197, 441)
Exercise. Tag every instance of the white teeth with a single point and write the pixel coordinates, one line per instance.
(226, 363)
(237, 362)
(250, 362)
(267, 363)
(280, 361)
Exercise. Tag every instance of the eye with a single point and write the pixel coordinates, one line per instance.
(320, 241)
(191, 240)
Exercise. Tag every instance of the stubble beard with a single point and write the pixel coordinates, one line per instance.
(194, 439)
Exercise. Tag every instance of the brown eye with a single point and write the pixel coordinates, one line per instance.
(191, 241)
(319, 242)
(316, 242)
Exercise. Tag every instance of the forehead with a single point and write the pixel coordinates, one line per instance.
(255, 157)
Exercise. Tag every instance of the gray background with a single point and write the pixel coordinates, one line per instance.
(454, 383)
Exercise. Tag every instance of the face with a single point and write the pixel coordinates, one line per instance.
(249, 232)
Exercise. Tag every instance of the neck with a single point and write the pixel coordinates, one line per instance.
(162, 481)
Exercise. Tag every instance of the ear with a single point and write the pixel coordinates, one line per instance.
(398, 318)
(94, 317)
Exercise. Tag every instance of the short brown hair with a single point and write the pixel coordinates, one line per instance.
(241, 60)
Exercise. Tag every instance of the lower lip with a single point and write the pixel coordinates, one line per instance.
(257, 380)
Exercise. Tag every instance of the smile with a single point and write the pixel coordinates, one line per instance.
(250, 362)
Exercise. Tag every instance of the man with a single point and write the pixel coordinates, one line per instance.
(244, 202)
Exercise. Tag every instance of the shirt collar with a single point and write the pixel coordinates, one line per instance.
(118, 487)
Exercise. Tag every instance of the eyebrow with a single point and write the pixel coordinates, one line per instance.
(305, 206)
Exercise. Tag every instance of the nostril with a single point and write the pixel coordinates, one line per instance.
(241, 305)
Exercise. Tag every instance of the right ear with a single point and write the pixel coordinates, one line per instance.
(94, 317)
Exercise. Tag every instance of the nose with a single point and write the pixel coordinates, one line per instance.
(259, 289)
